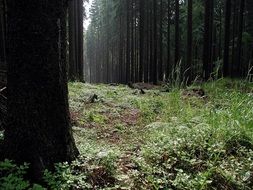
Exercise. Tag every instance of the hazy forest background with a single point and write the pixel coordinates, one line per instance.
(160, 40)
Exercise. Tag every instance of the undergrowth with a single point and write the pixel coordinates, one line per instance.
(195, 138)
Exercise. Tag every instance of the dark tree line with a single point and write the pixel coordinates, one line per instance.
(75, 26)
(160, 40)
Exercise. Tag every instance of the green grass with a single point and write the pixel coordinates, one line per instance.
(176, 141)
(160, 140)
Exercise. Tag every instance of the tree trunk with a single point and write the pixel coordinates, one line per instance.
(239, 63)
(160, 60)
(38, 130)
(132, 42)
(227, 38)
(177, 32)
(207, 51)
(168, 69)
(76, 40)
(151, 39)
(2, 34)
(189, 43)
(128, 43)
(141, 37)
(234, 38)
(154, 69)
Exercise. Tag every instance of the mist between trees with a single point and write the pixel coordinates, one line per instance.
(161, 40)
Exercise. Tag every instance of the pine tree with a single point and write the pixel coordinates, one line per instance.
(38, 130)
(226, 72)
(76, 40)
(189, 42)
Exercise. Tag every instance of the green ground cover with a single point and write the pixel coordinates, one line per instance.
(200, 137)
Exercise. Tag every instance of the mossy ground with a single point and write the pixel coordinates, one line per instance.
(195, 138)
(166, 140)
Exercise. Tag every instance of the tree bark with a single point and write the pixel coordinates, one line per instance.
(128, 43)
(239, 64)
(177, 32)
(155, 42)
(207, 51)
(76, 40)
(227, 38)
(168, 68)
(2, 34)
(189, 43)
(141, 38)
(38, 130)
(160, 60)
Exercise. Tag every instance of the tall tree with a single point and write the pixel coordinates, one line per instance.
(132, 21)
(177, 31)
(227, 39)
(128, 42)
(168, 68)
(189, 42)
(141, 34)
(160, 58)
(2, 33)
(207, 51)
(38, 130)
(239, 45)
(76, 40)
(154, 68)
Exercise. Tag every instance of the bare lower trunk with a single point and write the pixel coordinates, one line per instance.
(38, 130)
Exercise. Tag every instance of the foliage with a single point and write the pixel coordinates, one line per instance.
(12, 176)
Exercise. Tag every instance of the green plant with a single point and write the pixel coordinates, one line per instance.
(12, 176)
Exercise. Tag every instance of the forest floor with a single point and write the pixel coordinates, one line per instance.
(200, 137)
(164, 138)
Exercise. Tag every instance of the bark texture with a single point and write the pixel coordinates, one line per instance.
(38, 129)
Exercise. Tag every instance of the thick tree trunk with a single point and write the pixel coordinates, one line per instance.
(2, 34)
(38, 130)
